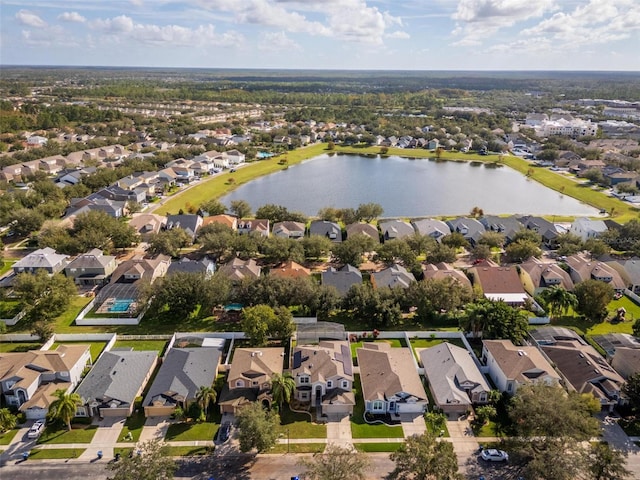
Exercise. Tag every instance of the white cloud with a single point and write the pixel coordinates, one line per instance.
(478, 19)
(276, 41)
(49, 36)
(30, 19)
(72, 17)
(124, 29)
(398, 34)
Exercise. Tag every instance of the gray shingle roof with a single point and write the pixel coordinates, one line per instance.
(342, 279)
(184, 371)
(117, 375)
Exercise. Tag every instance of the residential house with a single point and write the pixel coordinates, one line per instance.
(511, 366)
(324, 377)
(537, 275)
(395, 229)
(442, 271)
(363, 229)
(455, 381)
(393, 276)
(147, 224)
(288, 229)
(617, 178)
(236, 270)
(234, 157)
(52, 165)
(470, 228)
(95, 202)
(545, 228)
(91, 268)
(629, 270)
(138, 268)
(29, 379)
(433, 144)
(435, 229)
(42, 259)
(507, 226)
(290, 269)
(499, 283)
(257, 226)
(183, 372)
(12, 173)
(331, 230)
(30, 168)
(204, 265)
(586, 371)
(190, 223)
(586, 228)
(168, 176)
(223, 219)
(342, 279)
(114, 382)
(390, 380)
(249, 378)
(626, 361)
(581, 269)
(119, 194)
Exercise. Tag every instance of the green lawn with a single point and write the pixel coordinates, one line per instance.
(142, 345)
(133, 425)
(8, 347)
(188, 451)
(95, 348)
(298, 448)
(394, 342)
(54, 434)
(190, 431)
(6, 266)
(432, 342)
(6, 437)
(377, 447)
(361, 429)
(65, 321)
(489, 429)
(218, 185)
(9, 308)
(55, 453)
(299, 425)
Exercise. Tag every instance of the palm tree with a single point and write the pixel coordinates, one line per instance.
(65, 405)
(205, 397)
(7, 419)
(558, 300)
(282, 387)
(474, 318)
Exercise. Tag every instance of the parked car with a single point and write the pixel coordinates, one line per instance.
(225, 431)
(494, 455)
(36, 429)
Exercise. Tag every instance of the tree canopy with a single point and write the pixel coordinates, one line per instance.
(153, 463)
(336, 463)
(423, 457)
(258, 428)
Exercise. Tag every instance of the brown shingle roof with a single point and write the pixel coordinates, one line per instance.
(522, 364)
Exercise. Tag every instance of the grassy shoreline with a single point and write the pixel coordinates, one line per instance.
(216, 187)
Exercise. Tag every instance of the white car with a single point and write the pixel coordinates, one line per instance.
(36, 429)
(494, 455)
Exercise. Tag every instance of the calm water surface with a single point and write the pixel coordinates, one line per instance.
(404, 187)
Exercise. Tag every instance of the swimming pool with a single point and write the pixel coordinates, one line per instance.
(121, 305)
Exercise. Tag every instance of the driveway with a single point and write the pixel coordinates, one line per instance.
(105, 438)
(155, 428)
(339, 431)
(412, 424)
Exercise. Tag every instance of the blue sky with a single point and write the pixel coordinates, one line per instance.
(333, 34)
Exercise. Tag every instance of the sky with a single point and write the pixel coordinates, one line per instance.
(324, 34)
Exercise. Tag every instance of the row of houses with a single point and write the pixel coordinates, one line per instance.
(324, 375)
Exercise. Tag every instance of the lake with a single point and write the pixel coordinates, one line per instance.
(405, 188)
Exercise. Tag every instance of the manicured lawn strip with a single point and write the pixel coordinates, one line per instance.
(95, 348)
(217, 185)
(9, 308)
(188, 451)
(133, 425)
(122, 451)
(55, 453)
(8, 347)
(300, 425)
(55, 434)
(191, 431)
(489, 429)
(298, 448)
(377, 447)
(142, 345)
(65, 322)
(360, 428)
(6, 437)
